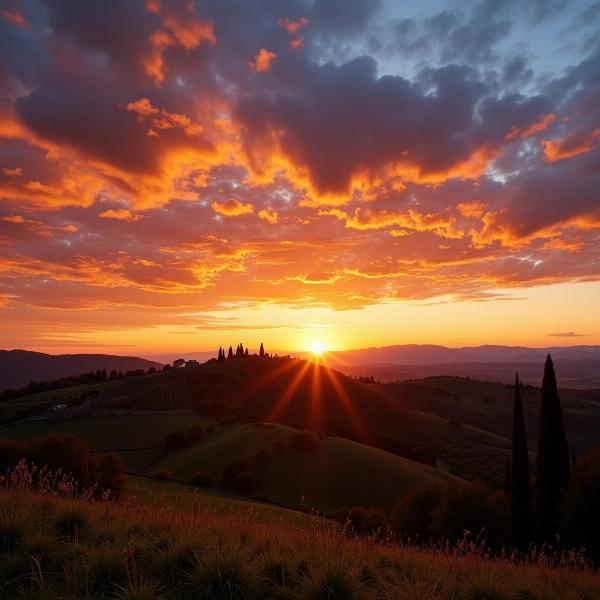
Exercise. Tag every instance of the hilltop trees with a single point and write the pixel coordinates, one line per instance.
(240, 352)
(520, 481)
(552, 466)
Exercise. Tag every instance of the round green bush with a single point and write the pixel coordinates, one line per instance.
(162, 475)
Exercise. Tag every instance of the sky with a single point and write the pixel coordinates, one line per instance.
(178, 175)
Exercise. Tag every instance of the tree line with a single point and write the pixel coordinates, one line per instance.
(240, 352)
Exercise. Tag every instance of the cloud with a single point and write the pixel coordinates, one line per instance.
(120, 214)
(269, 215)
(572, 145)
(263, 61)
(566, 334)
(232, 208)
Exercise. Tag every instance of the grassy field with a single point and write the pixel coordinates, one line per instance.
(164, 493)
(340, 473)
(63, 548)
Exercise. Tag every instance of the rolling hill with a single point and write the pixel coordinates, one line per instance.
(340, 473)
(457, 424)
(20, 367)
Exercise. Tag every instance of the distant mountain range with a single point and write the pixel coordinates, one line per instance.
(415, 354)
(576, 366)
(20, 367)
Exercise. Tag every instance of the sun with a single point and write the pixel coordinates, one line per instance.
(317, 348)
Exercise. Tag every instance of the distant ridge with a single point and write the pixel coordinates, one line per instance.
(20, 367)
(416, 354)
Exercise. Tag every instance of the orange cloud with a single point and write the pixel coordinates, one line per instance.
(293, 26)
(542, 123)
(471, 210)
(16, 18)
(121, 214)
(183, 29)
(573, 145)
(13, 219)
(162, 119)
(262, 61)
(232, 208)
(269, 214)
(365, 219)
(297, 42)
(16, 172)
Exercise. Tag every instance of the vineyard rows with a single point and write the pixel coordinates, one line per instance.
(168, 395)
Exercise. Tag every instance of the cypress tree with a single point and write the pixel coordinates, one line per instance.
(520, 484)
(230, 353)
(261, 352)
(552, 465)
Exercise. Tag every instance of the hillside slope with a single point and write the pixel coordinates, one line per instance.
(20, 367)
(339, 473)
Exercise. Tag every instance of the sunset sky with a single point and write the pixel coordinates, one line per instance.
(179, 175)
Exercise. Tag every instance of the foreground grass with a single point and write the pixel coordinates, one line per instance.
(52, 547)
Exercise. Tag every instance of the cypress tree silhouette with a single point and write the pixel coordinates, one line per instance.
(552, 465)
(230, 353)
(261, 352)
(520, 484)
(246, 353)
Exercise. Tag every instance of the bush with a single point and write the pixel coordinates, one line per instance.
(580, 515)
(162, 475)
(233, 467)
(412, 514)
(366, 521)
(201, 480)
(475, 509)
(244, 482)
(305, 442)
(72, 456)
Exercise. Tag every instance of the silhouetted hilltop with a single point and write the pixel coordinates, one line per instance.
(20, 367)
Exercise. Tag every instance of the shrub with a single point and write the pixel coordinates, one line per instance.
(70, 522)
(201, 480)
(366, 521)
(110, 476)
(333, 581)
(223, 574)
(412, 514)
(162, 474)
(305, 442)
(233, 467)
(471, 508)
(580, 515)
(244, 482)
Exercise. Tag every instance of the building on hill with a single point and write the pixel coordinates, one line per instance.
(192, 363)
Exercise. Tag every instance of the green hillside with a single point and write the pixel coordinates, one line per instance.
(339, 473)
